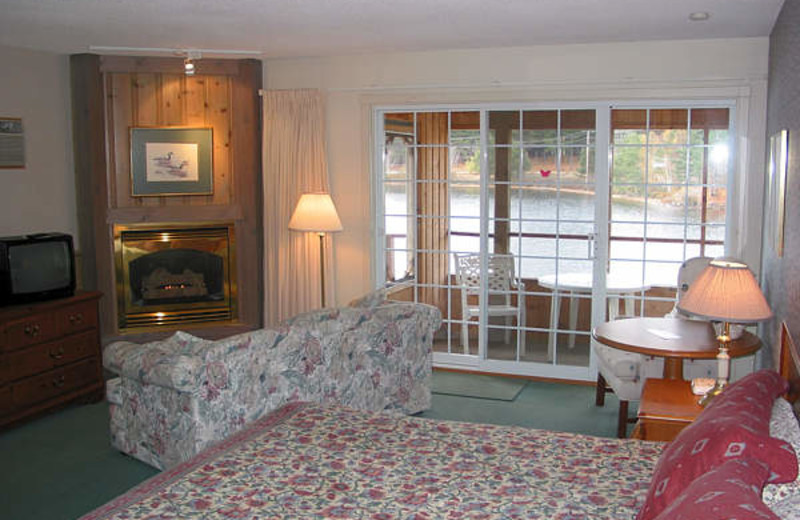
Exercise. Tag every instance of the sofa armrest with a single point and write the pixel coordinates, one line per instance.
(155, 363)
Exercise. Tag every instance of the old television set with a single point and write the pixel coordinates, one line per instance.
(36, 267)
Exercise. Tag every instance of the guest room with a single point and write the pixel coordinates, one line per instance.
(223, 222)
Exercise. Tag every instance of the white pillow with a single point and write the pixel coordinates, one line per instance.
(782, 498)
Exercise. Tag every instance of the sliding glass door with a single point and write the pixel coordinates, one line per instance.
(528, 226)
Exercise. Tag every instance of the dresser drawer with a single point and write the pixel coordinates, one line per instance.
(24, 332)
(77, 317)
(40, 358)
(54, 383)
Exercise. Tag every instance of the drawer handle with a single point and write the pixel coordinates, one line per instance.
(58, 383)
(76, 319)
(57, 354)
(32, 330)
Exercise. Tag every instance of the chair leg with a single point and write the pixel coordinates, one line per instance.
(622, 420)
(600, 391)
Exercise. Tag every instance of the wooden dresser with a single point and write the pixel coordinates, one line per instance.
(49, 355)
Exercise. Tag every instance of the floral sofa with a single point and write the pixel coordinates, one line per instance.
(175, 397)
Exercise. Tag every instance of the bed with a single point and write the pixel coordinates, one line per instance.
(320, 461)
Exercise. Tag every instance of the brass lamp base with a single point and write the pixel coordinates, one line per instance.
(717, 389)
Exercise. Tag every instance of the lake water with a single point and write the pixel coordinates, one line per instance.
(550, 212)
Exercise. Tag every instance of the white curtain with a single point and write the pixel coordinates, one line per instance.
(294, 163)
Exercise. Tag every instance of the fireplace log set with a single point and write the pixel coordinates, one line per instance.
(176, 276)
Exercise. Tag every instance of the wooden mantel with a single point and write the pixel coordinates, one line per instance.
(112, 94)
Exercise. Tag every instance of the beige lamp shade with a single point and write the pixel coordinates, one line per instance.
(726, 291)
(315, 212)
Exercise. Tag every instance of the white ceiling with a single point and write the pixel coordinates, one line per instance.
(290, 28)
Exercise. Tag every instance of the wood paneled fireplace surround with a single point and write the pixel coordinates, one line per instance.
(189, 262)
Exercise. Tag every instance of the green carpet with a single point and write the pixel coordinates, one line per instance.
(62, 466)
(475, 385)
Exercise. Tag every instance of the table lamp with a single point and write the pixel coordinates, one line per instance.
(316, 212)
(725, 291)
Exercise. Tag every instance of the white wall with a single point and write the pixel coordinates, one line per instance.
(731, 69)
(40, 197)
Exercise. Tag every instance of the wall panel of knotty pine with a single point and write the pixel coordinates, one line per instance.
(153, 99)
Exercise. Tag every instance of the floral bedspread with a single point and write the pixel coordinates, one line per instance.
(314, 461)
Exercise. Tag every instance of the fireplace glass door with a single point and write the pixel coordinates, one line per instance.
(169, 275)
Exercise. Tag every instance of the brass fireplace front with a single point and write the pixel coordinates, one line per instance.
(173, 274)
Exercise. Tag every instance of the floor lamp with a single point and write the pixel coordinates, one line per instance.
(315, 212)
(725, 291)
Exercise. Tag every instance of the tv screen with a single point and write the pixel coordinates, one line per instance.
(39, 267)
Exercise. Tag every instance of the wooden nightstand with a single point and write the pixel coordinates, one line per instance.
(667, 407)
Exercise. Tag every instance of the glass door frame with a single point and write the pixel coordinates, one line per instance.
(481, 362)
(602, 185)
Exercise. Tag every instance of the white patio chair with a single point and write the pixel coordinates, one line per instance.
(501, 284)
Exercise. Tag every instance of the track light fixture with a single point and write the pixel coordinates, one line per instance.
(188, 63)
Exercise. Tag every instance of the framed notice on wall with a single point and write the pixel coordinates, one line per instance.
(12, 143)
(171, 161)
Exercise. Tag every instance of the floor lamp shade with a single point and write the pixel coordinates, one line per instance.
(315, 212)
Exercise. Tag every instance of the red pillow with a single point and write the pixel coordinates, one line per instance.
(732, 490)
(706, 444)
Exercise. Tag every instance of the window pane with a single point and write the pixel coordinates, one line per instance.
(669, 126)
(465, 164)
(667, 165)
(578, 127)
(718, 165)
(399, 123)
(465, 201)
(670, 231)
(655, 251)
(540, 165)
(540, 127)
(398, 157)
(627, 230)
(465, 129)
(503, 125)
(628, 126)
(538, 247)
(395, 198)
(625, 249)
(577, 164)
(628, 164)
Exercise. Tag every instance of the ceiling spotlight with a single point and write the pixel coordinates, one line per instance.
(699, 16)
(188, 63)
